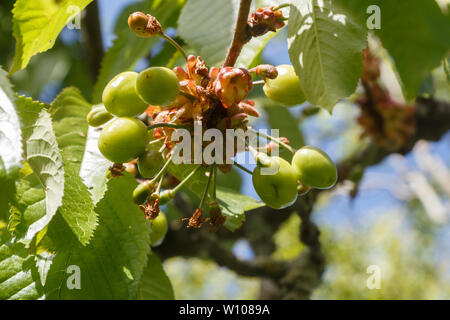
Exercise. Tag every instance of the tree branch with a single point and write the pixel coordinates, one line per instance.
(432, 122)
(203, 242)
(241, 34)
(92, 36)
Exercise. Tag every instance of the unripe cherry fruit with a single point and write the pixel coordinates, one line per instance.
(123, 140)
(150, 163)
(277, 190)
(98, 116)
(120, 97)
(286, 88)
(159, 228)
(315, 168)
(157, 86)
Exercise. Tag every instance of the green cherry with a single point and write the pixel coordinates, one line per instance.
(157, 86)
(150, 163)
(120, 97)
(123, 140)
(315, 168)
(98, 116)
(279, 188)
(159, 228)
(286, 88)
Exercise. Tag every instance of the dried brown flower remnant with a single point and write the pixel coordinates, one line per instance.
(389, 123)
(264, 20)
(216, 217)
(232, 85)
(266, 71)
(144, 25)
(197, 220)
(151, 208)
(116, 170)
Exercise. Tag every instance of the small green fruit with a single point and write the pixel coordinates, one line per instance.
(120, 97)
(98, 116)
(315, 168)
(150, 163)
(142, 192)
(157, 86)
(159, 228)
(277, 190)
(286, 88)
(123, 140)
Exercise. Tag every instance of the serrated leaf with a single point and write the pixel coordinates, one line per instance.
(415, 32)
(127, 49)
(19, 279)
(10, 133)
(112, 264)
(43, 156)
(69, 111)
(10, 144)
(94, 166)
(232, 203)
(325, 45)
(208, 27)
(37, 24)
(280, 117)
(155, 285)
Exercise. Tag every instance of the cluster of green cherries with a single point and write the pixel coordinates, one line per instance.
(311, 168)
(125, 138)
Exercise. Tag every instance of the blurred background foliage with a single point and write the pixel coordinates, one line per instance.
(397, 218)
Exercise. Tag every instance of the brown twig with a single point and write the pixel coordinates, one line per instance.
(241, 34)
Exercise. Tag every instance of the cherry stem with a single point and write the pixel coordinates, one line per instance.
(214, 186)
(259, 82)
(158, 189)
(162, 171)
(284, 145)
(243, 168)
(205, 193)
(281, 6)
(187, 95)
(169, 125)
(174, 43)
(180, 185)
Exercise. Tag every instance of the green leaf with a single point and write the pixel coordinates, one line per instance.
(94, 167)
(10, 144)
(325, 45)
(10, 133)
(417, 35)
(207, 26)
(69, 111)
(43, 156)
(29, 205)
(37, 24)
(112, 264)
(19, 278)
(155, 285)
(127, 49)
(280, 117)
(232, 203)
